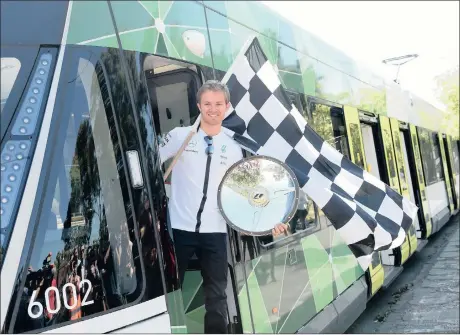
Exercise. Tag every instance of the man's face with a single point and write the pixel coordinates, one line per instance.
(213, 107)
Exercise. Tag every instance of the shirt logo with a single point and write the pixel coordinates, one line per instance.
(164, 139)
(223, 148)
(192, 144)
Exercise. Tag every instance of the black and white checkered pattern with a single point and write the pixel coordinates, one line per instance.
(367, 213)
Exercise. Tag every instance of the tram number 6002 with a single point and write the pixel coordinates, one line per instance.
(57, 300)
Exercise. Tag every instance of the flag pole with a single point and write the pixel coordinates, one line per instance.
(192, 132)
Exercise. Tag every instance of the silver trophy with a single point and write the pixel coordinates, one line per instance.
(256, 193)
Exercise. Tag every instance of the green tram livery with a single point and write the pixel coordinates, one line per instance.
(88, 86)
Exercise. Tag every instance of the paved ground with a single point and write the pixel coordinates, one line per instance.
(425, 297)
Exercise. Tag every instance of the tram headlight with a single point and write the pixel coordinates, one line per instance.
(13, 161)
(15, 152)
(27, 117)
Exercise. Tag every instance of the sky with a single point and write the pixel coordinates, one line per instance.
(395, 28)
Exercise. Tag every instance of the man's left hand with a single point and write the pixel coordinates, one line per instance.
(279, 229)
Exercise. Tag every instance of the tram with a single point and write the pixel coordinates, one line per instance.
(86, 246)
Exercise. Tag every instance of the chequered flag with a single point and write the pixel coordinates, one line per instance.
(368, 214)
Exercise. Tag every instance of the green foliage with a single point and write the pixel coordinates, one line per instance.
(447, 92)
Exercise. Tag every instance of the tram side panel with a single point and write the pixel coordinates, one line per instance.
(310, 271)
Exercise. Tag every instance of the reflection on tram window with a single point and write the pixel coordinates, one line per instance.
(83, 259)
(399, 160)
(304, 219)
(418, 159)
(455, 158)
(10, 70)
(431, 156)
(387, 142)
(355, 140)
(328, 122)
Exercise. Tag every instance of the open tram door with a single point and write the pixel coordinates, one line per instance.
(418, 184)
(404, 175)
(445, 165)
(392, 174)
(172, 87)
(375, 275)
(451, 169)
(377, 165)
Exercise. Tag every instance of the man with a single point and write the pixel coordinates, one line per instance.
(198, 226)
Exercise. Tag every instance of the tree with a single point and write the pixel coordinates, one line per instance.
(447, 91)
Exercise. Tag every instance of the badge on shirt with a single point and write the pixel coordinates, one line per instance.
(163, 140)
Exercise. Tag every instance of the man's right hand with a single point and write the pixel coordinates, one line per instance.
(279, 229)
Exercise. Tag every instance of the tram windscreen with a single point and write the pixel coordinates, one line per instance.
(10, 71)
(83, 259)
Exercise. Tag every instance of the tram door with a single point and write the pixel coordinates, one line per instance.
(404, 177)
(454, 168)
(415, 230)
(446, 173)
(375, 275)
(397, 256)
(172, 88)
(417, 185)
(451, 172)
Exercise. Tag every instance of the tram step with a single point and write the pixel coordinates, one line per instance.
(391, 273)
(421, 244)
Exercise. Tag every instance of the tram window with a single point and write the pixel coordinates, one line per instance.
(299, 101)
(388, 143)
(437, 157)
(321, 122)
(329, 123)
(294, 97)
(10, 71)
(455, 156)
(431, 156)
(304, 220)
(355, 140)
(304, 217)
(84, 259)
(172, 88)
(417, 155)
